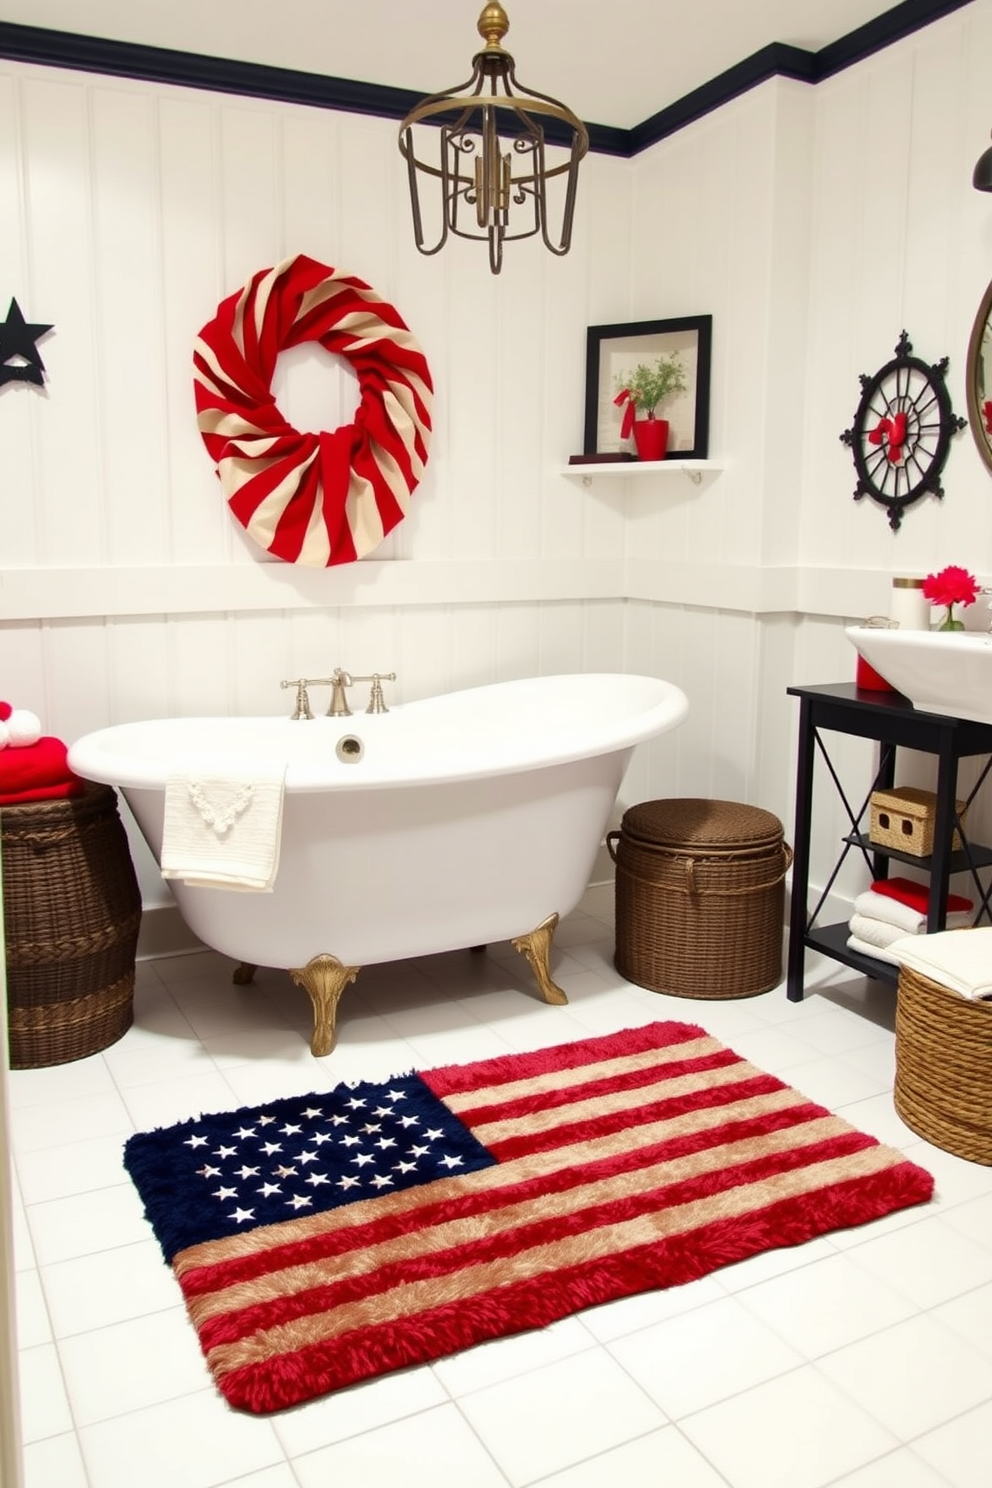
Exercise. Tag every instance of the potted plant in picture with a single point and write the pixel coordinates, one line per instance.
(643, 391)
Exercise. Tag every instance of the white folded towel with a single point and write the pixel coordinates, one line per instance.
(875, 932)
(223, 821)
(958, 959)
(910, 921)
(865, 948)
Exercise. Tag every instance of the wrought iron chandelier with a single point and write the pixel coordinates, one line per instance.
(493, 156)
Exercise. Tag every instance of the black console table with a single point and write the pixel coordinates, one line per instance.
(891, 720)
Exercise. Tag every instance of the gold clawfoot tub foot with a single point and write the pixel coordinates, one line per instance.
(324, 978)
(537, 948)
(243, 974)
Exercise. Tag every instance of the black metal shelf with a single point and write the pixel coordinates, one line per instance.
(960, 861)
(890, 720)
(832, 941)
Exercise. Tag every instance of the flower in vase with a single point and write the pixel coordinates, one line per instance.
(953, 585)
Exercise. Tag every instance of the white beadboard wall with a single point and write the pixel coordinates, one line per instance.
(812, 223)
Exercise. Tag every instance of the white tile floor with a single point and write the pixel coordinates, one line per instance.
(863, 1358)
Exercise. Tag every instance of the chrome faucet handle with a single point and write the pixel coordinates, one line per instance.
(302, 709)
(377, 703)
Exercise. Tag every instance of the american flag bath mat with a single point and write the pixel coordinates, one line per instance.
(326, 1238)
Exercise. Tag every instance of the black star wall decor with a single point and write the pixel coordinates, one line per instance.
(20, 360)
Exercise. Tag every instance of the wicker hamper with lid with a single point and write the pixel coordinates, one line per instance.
(700, 897)
(943, 1085)
(72, 909)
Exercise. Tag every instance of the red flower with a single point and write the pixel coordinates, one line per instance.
(892, 433)
(953, 585)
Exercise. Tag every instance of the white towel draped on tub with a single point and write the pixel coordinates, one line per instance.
(223, 821)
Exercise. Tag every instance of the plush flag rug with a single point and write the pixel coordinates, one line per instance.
(323, 1239)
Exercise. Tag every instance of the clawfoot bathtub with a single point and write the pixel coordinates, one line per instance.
(460, 820)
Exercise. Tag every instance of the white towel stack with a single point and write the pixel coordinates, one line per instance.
(961, 962)
(223, 821)
(894, 908)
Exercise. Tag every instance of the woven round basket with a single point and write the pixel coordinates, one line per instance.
(700, 897)
(72, 909)
(943, 1087)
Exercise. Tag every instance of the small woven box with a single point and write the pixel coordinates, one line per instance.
(904, 818)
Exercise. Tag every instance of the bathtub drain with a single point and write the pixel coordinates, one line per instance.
(349, 749)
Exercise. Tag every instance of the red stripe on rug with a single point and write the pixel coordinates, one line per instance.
(636, 1079)
(667, 1109)
(453, 1079)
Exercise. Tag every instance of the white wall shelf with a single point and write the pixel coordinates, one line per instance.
(692, 469)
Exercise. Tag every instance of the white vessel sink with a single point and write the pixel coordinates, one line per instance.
(940, 671)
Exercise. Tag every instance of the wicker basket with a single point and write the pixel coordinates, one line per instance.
(904, 818)
(943, 1087)
(72, 910)
(700, 897)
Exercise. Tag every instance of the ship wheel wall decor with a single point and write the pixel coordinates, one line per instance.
(902, 432)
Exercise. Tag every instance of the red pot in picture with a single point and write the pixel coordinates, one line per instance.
(651, 438)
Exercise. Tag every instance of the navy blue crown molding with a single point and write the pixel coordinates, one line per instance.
(780, 60)
(256, 80)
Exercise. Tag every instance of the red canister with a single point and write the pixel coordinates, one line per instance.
(866, 676)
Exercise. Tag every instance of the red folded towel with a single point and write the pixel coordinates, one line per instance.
(917, 895)
(39, 772)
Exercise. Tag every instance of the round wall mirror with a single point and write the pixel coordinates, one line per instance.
(979, 378)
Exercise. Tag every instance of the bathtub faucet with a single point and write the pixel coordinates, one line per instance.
(338, 682)
(342, 680)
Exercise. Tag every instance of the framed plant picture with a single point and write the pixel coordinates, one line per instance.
(612, 354)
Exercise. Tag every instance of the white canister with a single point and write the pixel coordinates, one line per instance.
(907, 606)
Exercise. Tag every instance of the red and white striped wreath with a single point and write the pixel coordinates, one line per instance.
(315, 499)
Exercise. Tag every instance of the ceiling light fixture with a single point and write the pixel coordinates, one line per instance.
(493, 153)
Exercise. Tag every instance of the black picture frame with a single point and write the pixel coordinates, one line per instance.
(609, 347)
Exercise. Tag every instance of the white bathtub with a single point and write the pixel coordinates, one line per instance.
(468, 818)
